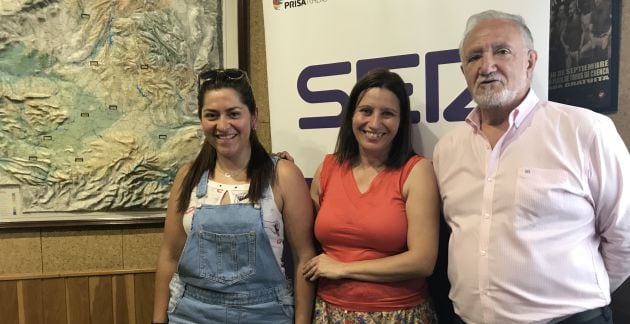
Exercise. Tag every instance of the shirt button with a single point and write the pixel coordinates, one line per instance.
(486, 216)
(483, 252)
(489, 179)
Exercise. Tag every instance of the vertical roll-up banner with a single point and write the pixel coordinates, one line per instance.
(317, 49)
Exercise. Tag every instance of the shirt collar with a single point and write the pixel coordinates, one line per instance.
(516, 116)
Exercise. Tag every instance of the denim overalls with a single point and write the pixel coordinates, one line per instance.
(227, 270)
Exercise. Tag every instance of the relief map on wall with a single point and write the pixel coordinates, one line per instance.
(98, 105)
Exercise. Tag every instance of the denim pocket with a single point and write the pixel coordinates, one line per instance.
(286, 301)
(227, 258)
(288, 310)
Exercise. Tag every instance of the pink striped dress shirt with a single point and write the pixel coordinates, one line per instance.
(541, 222)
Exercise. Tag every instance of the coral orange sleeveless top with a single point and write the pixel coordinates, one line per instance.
(354, 226)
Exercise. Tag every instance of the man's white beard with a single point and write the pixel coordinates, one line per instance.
(495, 99)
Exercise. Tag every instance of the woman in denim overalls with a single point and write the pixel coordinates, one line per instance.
(220, 261)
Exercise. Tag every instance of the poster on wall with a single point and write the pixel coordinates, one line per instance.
(312, 64)
(584, 53)
(98, 103)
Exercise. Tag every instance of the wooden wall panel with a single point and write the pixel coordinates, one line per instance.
(20, 251)
(31, 303)
(78, 298)
(107, 298)
(54, 305)
(67, 251)
(101, 300)
(141, 247)
(9, 302)
(143, 288)
(131, 296)
(124, 308)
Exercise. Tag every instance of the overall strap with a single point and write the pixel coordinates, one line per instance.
(275, 158)
(202, 186)
(268, 191)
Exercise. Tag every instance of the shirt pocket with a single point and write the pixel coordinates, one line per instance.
(227, 258)
(540, 196)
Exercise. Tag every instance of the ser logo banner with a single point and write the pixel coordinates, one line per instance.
(289, 4)
(456, 110)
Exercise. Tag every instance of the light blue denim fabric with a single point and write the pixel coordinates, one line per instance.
(227, 271)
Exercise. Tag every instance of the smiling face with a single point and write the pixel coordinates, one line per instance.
(497, 64)
(227, 123)
(375, 121)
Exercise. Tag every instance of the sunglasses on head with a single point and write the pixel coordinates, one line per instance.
(220, 74)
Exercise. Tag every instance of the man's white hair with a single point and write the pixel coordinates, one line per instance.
(475, 19)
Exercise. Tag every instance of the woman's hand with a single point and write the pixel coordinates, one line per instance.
(285, 156)
(323, 266)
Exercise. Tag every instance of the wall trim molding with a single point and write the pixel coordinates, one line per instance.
(75, 274)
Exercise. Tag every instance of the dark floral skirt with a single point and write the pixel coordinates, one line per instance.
(326, 313)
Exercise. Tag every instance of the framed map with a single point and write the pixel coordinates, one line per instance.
(98, 105)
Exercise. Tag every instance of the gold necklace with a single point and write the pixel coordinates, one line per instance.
(230, 174)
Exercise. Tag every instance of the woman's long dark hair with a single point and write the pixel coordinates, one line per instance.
(259, 168)
(347, 148)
